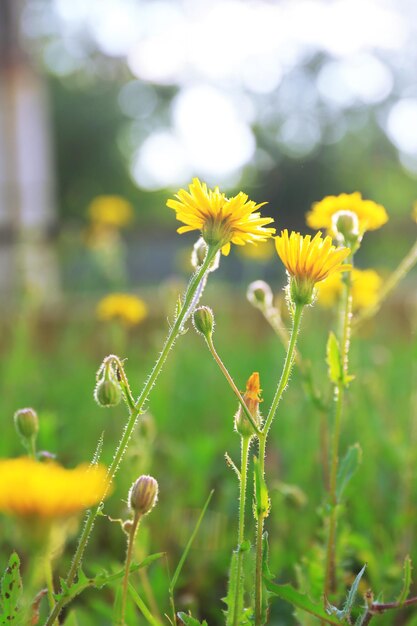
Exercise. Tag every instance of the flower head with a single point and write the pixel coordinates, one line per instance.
(112, 211)
(125, 307)
(221, 220)
(366, 285)
(31, 489)
(252, 398)
(309, 261)
(370, 215)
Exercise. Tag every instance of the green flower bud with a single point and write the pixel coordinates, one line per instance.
(143, 495)
(203, 320)
(346, 227)
(260, 295)
(107, 391)
(27, 423)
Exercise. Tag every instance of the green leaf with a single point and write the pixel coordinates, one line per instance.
(142, 607)
(406, 581)
(188, 620)
(262, 501)
(334, 359)
(301, 601)
(235, 591)
(11, 593)
(347, 468)
(344, 614)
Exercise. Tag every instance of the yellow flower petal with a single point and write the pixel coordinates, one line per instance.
(370, 214)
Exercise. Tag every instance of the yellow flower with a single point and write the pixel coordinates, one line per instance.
(125, 307)
(370, 215)
(32, 489)
(366, 285)
(309, 261)
(221, 220)
(113, 211)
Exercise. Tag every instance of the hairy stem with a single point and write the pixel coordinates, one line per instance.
(245, 443)
(262, 436)
(199, 276)
(130, 543)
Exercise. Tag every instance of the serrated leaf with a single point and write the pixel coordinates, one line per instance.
(334, 359)
(262, 501)
(347, 468)
(344, 613)
(235, 591)
(11, 593)
(406, 581)
(301, 601)
(189, 620)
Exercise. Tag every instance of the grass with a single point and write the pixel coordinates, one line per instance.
(51, 364)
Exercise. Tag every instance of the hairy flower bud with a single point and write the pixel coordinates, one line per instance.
(199, 253)
(252, 400)
(107, 391)
(143, 495)
(260, 295)
(346, 226)
(203, 320)
(27, 423)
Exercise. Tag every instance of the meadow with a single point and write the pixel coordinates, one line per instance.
(49, 362)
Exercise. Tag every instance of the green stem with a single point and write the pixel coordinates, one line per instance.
(245, 443)
(262, 436)
(130, 544)
(397, 275)
(210, 344)
(330, 583)
(194, 284)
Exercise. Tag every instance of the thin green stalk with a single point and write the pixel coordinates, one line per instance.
(244, 455)
(262, 436)
(397, 275)
(209, 341)
(330, 583)
(134, 413)
(129, 553)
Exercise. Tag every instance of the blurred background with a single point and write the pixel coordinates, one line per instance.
(107, 107)
(289, 101)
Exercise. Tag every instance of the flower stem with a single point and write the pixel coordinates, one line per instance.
(232, 384)
(330, 583)
(244, 455)
(262, 436)
(198, 277)
(130, 544)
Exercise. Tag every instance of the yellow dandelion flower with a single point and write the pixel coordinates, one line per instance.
(309, 261)
(366, 286)
(112, 211)
(31, 489)
(221, 220)
(370, 214)
(127, 308)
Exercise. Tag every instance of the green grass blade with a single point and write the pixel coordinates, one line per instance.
(142, 607)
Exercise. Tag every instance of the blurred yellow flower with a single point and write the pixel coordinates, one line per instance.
(221, 220)
(370, 214)
(262, 252)
(112, 211)
(124, 307)
(366, 285)
(31, 489)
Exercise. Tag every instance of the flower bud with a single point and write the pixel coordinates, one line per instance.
(107, 391)
(27, 423)
(346, 226)
(203, 320)
(199, 253)
(252, 400)
(260, 295)
(143, 495)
